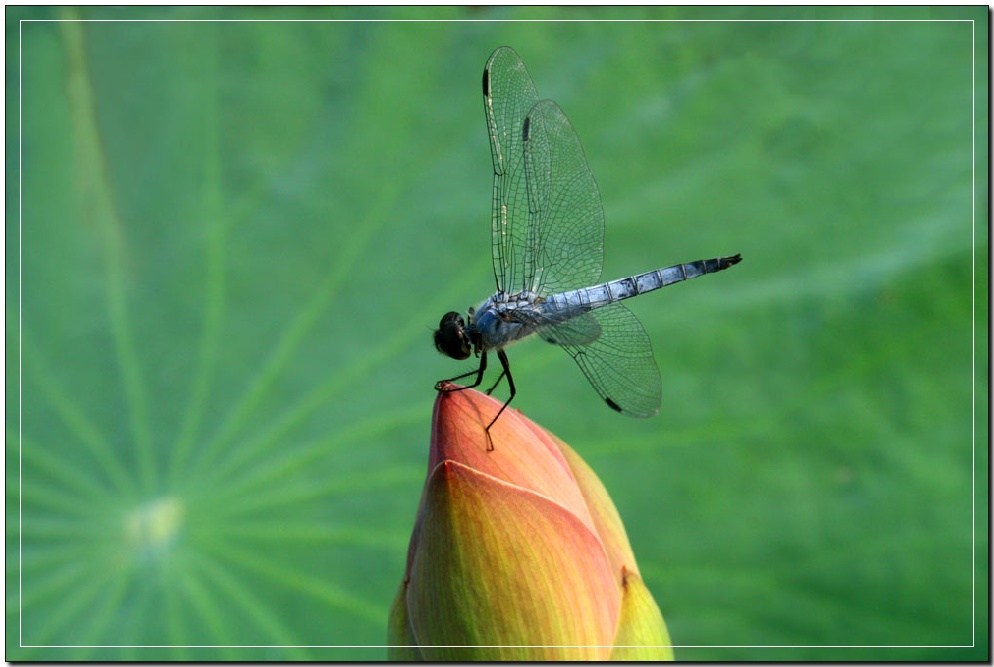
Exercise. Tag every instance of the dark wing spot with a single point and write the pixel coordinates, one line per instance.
(486, 83)
(611, 404)
(524, 128)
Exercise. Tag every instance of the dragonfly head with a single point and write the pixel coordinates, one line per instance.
(450, 336)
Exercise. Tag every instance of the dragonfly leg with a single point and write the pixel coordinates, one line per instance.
(510, 383)
(499, 377)
(478, 372)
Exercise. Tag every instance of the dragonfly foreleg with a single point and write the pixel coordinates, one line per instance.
(478, 372)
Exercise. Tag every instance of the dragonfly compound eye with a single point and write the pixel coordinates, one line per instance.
(450, 336)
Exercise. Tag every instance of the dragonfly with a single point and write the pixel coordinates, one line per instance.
(548, 253)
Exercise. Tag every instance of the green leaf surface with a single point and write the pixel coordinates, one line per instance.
(228, 241)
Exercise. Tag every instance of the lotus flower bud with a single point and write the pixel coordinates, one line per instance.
(517, 553)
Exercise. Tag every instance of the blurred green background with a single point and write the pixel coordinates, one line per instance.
(235, 238)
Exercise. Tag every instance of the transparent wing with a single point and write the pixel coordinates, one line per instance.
(508, 95)
(548, 236)
(582, 329)
(618, 363)
(564, 242)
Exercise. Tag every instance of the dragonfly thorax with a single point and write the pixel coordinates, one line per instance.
(501, 320)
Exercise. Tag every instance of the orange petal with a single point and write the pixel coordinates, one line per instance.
(507, 574)
(605, 515)
(524, 454)
(642, 634)
(401, 646)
